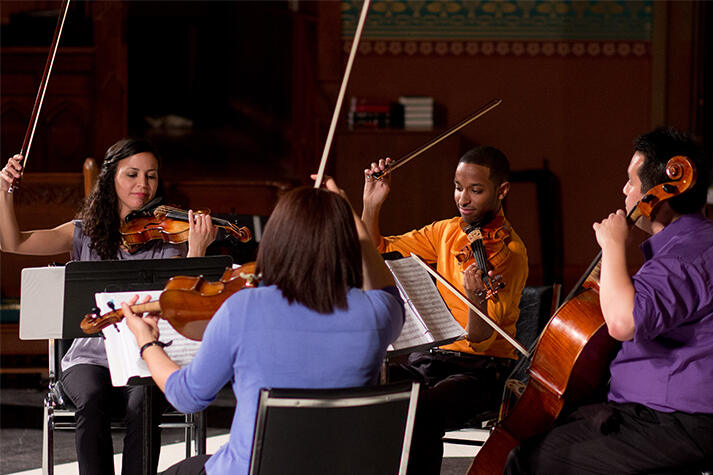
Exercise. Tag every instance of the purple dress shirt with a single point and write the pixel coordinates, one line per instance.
(668, 366)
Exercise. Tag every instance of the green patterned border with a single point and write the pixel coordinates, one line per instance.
(598, 20)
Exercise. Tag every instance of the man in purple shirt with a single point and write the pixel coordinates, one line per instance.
(659, 413)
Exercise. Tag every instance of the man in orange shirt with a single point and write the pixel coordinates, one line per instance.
(466, 377)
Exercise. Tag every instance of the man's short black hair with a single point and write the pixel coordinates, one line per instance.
(491, 158)
(658, 147)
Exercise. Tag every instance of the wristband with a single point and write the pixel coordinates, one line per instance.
(151, 343)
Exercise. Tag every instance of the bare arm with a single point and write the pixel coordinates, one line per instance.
(44, 242)
(376, 274)
(616, 291)
(375, 193)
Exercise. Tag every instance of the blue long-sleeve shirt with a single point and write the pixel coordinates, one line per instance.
(257, 339)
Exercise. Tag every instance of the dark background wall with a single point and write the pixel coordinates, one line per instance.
(245, 90)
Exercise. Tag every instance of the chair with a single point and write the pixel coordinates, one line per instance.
(59, 414)
(337, 431)
(537, 305)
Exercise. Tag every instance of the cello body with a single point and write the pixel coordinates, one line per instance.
(569, 365)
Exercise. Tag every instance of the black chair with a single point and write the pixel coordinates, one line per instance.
(537, 305)
(59, 413)
(358, 431)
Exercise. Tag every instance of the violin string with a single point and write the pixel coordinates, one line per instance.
(481, 259)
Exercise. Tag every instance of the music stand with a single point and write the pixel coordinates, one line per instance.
(53, 300)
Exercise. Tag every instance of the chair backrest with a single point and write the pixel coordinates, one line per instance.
(337, 431)
(537, 305)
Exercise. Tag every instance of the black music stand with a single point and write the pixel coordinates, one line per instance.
(83, 279)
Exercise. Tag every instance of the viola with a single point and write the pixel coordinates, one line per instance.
(188, 303)
(571, 358)
(171, 225)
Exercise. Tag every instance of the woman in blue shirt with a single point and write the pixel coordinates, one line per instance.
(323, 316)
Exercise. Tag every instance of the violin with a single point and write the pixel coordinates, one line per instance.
(570, 361)
(485, 239)
(170, 225)
(188, 303)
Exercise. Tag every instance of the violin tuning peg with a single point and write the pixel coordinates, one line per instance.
(117, 328)
(95, 312)
(111, 305)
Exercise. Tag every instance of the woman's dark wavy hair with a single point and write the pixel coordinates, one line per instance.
(99, 214)
(658, 146)
(310, 249)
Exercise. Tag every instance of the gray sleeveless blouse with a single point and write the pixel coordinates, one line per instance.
(91, 350)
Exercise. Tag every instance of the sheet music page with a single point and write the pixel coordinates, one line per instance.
(414, 331)
(121, 348)
(424, 297)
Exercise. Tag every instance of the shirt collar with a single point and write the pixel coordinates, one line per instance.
(655, 243)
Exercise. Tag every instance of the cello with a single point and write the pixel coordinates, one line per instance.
(572, 355)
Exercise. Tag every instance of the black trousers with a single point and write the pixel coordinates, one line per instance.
(611, 438)
(456, 388)
(190, 466)
(97, 401)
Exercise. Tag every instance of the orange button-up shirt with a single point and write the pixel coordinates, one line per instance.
(440, 243)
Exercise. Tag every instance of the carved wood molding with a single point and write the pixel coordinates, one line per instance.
(56, 189)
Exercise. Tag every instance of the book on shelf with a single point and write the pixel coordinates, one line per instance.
(411, 111)
(122, 351)
(428, 321)
(374, 113)
(418, 112)
(418, 116)
(416, 100)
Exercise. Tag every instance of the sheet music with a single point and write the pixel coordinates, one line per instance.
(414, 331)
(121, 348)
(427, 304)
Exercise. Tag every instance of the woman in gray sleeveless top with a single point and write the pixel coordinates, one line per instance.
(127, 181)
